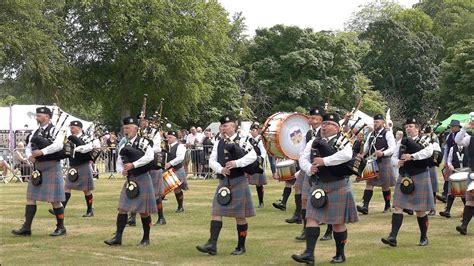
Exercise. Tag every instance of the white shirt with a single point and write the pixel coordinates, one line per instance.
(462, 139)
(56, 146)
(249, 158)
(449, 161)
(180, 153)
(145, 159)
(157, 142)
(84, 148)
(390, 141)
(337, 158)
(191, 139)
(425, 153)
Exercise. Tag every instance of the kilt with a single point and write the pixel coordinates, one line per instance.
(305, 191)
(158, 183)
(145, 202)
(241, 205)
(434, 178)
(469, 196)
(421, 199)
(299, 180)
(340, 207)
(84, 181)
(52, 186)
(257, 179)
(386, 177)
(183, 177)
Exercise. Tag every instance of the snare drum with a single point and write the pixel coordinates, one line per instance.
(284, 134)
(171, 181)
(459, 182)
(371, 169)
(286, 170)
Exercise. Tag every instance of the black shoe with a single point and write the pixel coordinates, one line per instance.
(362, 209)
(423, 242)
(51, 211)
(460, 228)
(22, 232)
(307, 258)
(88, 214)
(260, 205)
(338, 259)
(279, 206)
(238, 251)
(144, 243)
(387, 209)
(409, 212)
(115, 241)
(294, 219)
(161, 221)
(441, 198)
(301, 237)
(445, 214)
(390, 241)
(131, 221)
(179, 209)
(209, 248)
(326, 237)
(432, 213)
(59, 231)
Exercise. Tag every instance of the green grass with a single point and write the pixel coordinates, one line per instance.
(270, 239)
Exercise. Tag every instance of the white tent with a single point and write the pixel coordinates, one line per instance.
(364, 118)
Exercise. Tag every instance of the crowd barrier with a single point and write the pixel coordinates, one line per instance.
(196, 162)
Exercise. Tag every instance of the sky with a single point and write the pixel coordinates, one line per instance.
(316, 14)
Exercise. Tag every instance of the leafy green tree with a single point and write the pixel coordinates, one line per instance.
(371, 12)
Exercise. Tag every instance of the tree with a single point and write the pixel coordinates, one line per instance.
(371, 12)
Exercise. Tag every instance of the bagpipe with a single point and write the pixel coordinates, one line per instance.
(233, 151)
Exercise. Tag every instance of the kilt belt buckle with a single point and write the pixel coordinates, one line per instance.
(407, 186)
(36, 178)
(319, 198)
(72, 174)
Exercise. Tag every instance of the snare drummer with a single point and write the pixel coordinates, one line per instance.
(413, 164)
(330, 176)
(258, 179)
(137, 170)
(432, 165)
(467, 142)
(174, 160)
(45, 160)
(380, 144)
(229, 169)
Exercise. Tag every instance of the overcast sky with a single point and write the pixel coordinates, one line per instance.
(316, 14)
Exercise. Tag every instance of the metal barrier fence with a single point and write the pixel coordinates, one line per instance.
(12, 167)
(106, 163)
(196, 162)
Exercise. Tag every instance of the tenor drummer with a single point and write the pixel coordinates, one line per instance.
(44, 149)
(380, 144)
(232, 198)
(258, 179)
(413, 188)
(174, 160)
(468, 142)
(331, 200)
(137, 195)
(80, 173)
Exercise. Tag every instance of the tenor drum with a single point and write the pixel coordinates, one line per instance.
(284, 134)
(286, 170)
(371, 170)
(459, 183)
(171, 181)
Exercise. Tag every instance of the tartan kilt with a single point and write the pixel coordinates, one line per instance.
(340, 207)
(421, 199)
(257, 179)
(386, 177)
(241, 204)
(158, 183)
(145, 202)
(299, 180)
(305, 191)
(434, 178)
(468, 196)
(183, 177)
(84, 181)
(52, 186)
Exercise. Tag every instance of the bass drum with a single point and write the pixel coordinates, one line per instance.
(284, 134)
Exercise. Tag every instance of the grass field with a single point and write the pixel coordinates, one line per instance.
(270, 239)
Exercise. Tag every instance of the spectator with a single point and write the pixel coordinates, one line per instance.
(22, 162)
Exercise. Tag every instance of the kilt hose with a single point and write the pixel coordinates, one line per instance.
(421, 199)
(84, 181)
(340, 207)
(241, 204)
(145, 202)
(386, 177)
(158, 183)
(52, 186)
